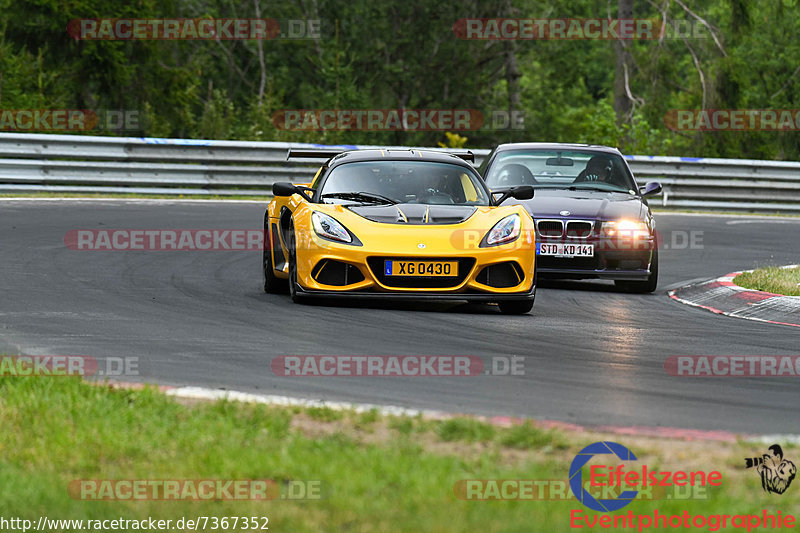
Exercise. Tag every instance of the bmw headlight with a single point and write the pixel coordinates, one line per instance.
(505, 231)
(626, 228)
(328, 227)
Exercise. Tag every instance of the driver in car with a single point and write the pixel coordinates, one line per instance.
(433, 190)
(598, 168)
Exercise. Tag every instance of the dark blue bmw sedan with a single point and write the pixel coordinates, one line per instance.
(592, 219)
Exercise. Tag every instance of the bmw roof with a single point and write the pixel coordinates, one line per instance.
(557, 146)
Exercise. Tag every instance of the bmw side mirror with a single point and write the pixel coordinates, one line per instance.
(651, 189)
(522, 192)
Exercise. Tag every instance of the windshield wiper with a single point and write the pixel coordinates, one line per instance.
(591, 188)
(361, 197)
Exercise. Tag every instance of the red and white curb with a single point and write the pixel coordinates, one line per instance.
(205, 394)
(724, 297)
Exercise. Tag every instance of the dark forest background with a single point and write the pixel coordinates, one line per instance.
(404, 54)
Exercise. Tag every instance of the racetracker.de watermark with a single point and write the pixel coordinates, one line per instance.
(733, 119)
(165, 240)
(620, 240)
(69, 120)
(377, 119)
(511, 29)
(203, 29)
(194, 489)
(396, 366)
(559, 490)
(733, 366)
(170, 240)
(67, 365)
(397, 120)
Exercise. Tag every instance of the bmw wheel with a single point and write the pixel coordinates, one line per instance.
(649, 285)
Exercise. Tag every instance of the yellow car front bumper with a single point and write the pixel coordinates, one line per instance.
(494, 273)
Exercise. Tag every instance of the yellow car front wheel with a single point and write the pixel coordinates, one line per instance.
(291, 245)
(272, 283)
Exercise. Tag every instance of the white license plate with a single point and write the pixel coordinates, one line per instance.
(562, 249)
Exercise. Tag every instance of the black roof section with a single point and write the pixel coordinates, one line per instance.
(373, 154)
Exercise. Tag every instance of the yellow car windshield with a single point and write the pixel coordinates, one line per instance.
(414, 182)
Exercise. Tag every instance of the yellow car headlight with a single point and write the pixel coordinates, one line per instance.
(505, 231)
(329, 228)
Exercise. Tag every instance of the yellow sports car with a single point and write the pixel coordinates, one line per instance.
(402, 224)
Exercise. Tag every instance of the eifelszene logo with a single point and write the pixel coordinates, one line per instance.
(576, 478)
(619, 476)
(776, 472)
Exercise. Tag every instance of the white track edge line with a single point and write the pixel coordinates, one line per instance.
(201, 393)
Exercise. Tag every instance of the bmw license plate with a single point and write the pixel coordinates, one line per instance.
(561, 249)
(420, 268)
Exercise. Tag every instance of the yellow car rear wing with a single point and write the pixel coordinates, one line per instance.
(315, 154)
(327, 154)
(466, 156)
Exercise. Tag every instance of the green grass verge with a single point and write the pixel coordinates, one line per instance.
(771, 279)
(377, 473)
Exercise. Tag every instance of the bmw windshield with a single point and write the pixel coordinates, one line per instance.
(579, 170)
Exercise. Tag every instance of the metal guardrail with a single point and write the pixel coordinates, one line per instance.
(722, 184)
(76, 163)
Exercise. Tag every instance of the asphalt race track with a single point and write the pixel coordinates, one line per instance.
(594, 355)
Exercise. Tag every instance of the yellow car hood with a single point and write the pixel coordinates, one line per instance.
(414, 213)
(448, 228)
